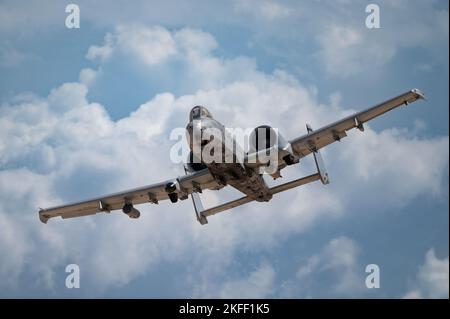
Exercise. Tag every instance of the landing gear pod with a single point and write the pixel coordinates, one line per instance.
(171, 189)
(131, 211)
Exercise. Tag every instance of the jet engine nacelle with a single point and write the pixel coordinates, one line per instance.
(264, 137)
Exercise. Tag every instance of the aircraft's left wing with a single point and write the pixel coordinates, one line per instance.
(182, 186)
(315, 140)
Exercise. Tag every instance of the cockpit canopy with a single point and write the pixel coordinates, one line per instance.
(198, 112)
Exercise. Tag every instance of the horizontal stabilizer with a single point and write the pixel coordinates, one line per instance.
(244, 200)
(198, 206)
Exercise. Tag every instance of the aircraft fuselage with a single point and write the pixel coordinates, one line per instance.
(228, 172)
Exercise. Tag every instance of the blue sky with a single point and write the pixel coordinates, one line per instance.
(89, 111)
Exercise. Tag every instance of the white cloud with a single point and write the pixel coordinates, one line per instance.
(158, 50)
(259, 283)
(194, 41)
(269, 10)
(345, 51)
(432, 279)
(347, 47)
(153, 45)
(11, 57)
(149, 119)
(376, 158)
(102, 52)
(67, 148)
(13, 251)
(69, 96)
(87, 76)
(337, 262)
(343, 45)
(150, 45)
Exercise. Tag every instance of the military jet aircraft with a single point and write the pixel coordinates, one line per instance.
(243, 173)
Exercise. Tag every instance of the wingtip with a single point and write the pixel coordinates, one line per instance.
(419, 94)
(42, 217)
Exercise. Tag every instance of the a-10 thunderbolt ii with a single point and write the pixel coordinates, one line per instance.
(243, 171)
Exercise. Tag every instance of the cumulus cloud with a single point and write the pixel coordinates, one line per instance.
(380, 156)
(158, 50)
(104, 51)
(152, 45)
(345, 51)
(269, 10)
(259, 283)
(11, 57)
(64, 147)
(334, 271)
(87, 76)
(432, 278)
(347, 47)
(341, 43)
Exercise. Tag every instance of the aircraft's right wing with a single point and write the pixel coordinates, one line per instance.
(182, 186)
(317, 139)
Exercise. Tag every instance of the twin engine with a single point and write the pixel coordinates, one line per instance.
(261, 138)
(265, 137)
